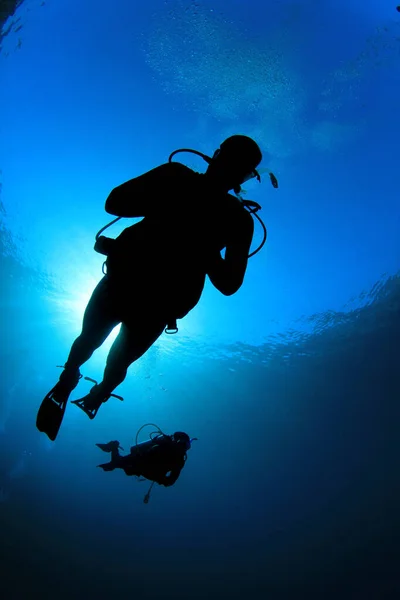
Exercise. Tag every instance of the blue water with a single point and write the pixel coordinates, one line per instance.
(291, 385)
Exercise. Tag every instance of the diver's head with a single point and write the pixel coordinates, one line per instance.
(182, 439)
(234, 162)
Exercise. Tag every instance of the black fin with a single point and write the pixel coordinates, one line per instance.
(51, 413)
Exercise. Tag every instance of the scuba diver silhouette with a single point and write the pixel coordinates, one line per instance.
(156, 269)
(160, 459)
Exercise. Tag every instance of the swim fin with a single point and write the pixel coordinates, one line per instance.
(107, 466)
(51, 411)
(110, 446)
(91, 403)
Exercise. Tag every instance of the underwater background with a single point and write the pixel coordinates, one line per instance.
(291, 385)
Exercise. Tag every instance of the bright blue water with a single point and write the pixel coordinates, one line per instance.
(291, 385)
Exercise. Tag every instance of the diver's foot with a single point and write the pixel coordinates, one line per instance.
(91, 403)
(110, 446)
(95, 397)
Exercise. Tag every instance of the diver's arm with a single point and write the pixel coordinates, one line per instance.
(130, 198)
(176, 465)
(141, 196)
(227, 274)
(170, 479)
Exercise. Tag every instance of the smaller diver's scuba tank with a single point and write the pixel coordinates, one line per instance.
(155, 438)
(139, 449)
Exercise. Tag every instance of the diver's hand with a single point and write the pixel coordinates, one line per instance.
(227, 274)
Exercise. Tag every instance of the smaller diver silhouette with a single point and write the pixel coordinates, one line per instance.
(160, 459)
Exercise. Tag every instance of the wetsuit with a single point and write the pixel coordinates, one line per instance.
(156, 268)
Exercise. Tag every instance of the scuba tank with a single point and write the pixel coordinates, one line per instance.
(143, 447)
(155, 438)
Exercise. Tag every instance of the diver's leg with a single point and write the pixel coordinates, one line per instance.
(98, 321)
(131, 343)
(131, 466)
(120, 462)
